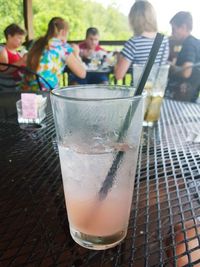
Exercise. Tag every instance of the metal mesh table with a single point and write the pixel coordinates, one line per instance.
(33, 221)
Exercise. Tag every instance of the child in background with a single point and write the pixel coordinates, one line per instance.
(49, 55)
(8, 54)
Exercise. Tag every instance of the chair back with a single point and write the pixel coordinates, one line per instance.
(9, 81)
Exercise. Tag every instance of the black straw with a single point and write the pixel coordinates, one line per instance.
(108, 182)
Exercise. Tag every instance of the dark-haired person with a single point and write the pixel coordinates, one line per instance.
(91, 43)
(184, 79)
(50, 54)
(90, 49)
(14, 38)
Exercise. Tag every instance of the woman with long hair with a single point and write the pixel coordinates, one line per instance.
(50, 54)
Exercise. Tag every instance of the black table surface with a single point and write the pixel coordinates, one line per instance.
(33, 221)
(100, 69)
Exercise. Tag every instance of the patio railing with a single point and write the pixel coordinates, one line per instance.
(103, 42)
(109, 46)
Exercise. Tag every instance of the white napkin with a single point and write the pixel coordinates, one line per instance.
(193, 134)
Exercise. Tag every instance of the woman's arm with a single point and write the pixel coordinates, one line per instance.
(76, 66)
(3, 59)
(121, 67)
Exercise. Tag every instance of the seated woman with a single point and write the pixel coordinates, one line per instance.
(8, 54)
(49, 55)
(142, 19)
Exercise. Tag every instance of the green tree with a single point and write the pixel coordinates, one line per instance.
(10, 12)
(80, 14)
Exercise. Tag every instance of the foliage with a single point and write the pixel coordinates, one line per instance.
(10, 12)
(80, 14)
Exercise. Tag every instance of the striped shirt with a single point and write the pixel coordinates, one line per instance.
(137, 50)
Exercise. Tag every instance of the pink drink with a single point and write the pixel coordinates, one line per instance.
(96, 223)
(96, 127)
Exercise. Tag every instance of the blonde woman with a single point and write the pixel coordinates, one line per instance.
(142, 19)
(50, 54)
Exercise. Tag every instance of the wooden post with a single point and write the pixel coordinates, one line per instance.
(28, 18)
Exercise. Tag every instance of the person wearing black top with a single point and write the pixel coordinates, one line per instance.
(184, 75)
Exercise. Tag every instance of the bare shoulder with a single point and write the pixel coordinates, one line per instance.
(3, 57)
(3, 54)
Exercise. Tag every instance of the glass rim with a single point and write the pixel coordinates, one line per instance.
(55, 92)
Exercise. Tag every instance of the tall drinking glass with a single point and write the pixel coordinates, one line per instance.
(88, 121)
(155, 89)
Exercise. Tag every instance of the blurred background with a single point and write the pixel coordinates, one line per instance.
(110, 16)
